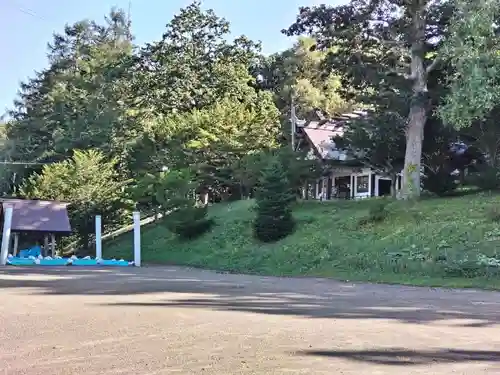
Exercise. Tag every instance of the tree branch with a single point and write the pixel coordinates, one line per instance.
(433, 65)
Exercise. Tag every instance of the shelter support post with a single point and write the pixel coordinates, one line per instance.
(7, 223)
(45, 245)
(53, 245)
(16, 244)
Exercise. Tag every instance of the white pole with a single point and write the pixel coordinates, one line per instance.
(137, 238)
(98, 237)
(7, 222)
(293, 119)
(370, 187)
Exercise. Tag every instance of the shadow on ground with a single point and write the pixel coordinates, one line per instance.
(312, 298)
(404, 357)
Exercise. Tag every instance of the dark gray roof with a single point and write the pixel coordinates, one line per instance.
(38, 216)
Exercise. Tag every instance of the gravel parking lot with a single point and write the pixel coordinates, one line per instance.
(167, 320)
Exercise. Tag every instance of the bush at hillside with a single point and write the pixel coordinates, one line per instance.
(189, 221)
(175, 192)
(440, 182)
(273, 204)
(485, 178)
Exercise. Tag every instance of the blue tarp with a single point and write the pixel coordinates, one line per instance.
(20, 262)
(33, 252)
(15, 261)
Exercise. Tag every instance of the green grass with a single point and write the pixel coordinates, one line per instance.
(435, 242)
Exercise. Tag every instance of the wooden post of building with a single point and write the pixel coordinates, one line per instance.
(53, 244)
(45, 245)
(16, 244)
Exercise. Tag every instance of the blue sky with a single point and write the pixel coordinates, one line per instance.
(26, 26)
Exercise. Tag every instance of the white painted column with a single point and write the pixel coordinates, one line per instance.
(137, 238)
(333, 188)
(322, 184)
(98, 237)
(7, 223)
(370, 187)
(377, 178)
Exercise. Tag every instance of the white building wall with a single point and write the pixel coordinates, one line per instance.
(321, 187)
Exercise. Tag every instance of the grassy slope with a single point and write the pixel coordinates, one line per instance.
(415, 245)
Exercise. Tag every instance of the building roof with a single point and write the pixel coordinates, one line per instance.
(38, 216)
(321, 133)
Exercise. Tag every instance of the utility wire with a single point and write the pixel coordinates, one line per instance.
(23, 163)
(30, 12)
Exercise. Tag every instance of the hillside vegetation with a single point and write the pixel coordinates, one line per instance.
(449, 242)
(197, 116)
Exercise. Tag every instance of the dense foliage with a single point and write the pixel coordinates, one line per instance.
(472, 49)
(196, 99)
(182, 216)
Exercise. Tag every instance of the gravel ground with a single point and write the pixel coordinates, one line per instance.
(180, 321)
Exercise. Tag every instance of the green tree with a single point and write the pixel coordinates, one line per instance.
(187, 100)
(144, 192)
(193, 65)
(382, 48)
(205, 110)
(211, 140)
(472, 49)
(90, 184)
(273, 204)
(298, 167)
(247, 171)
(471, 104)
(297, 72)
(81, 100)
(440, 158)
(8, 174)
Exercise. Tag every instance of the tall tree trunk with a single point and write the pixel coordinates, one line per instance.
(413, 154)
(204, 199)
(394, 185)
(418, 110)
